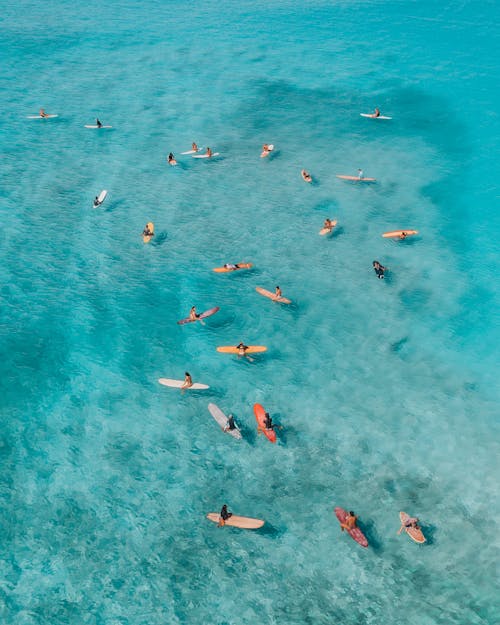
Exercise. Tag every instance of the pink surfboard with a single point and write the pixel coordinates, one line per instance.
(203, 315)
(355, 533)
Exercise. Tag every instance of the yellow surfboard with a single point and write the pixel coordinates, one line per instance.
(251, 349)
(151, 227)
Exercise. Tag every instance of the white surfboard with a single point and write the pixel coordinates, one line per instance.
(373, 117)
(101, 198)
(222, 420)
(205, 155)
(98, 127)
(193, 151)
(178, 384)
(40, 117)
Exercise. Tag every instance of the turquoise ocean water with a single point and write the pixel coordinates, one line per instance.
(387, 390)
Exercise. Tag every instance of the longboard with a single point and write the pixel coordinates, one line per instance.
(265, 153)
(260, 417)
(375, 116)
(98, 127)
(355, 533)
(251, 349)
(203, 315)
(324, 231)
(228, 269)
(41, 117)
(398, 233)
(222, 420)
(243, 522)
(355, 178)
(147, 238)
(101, 198)
(205, 155)
(414, 533)
(266, 293)
(178, 384)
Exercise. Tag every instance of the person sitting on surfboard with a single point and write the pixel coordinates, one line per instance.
(379, 269)
(147, 232)
(328, 224)
(242, 349)
(96, 202)
(410, 522)
(209, 152)
(224, 515)
(193, 315)
(377, 113)
(360, 173)
(231, 425)
(98, 123)
(265, 150)
(268, 422)
(350, 522)
(43, 113)
(188, 381)
(277, 292)
(307, 177)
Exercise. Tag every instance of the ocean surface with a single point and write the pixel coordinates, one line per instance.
(387, 390)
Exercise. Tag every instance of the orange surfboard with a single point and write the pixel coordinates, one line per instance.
(251, 349)
(399, 233)
(237, 266)
(260, 417)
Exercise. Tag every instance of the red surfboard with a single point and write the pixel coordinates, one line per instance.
(355, 533)
(260, 416)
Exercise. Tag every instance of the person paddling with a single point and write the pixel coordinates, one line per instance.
(224, 515)
(350, 522)
(242, 348)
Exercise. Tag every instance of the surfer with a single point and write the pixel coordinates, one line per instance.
(96, 202)
(377, 113)
(307, 177)
(411, 522)
(231, 425)
(403, 235)
(224, 515)
(209, 152)
(360, 174)
(350, 522)
(265, 150)
(231, 266)
(193, 315)
(277, 292)
(188, 381)
(171, 159)
(378, 269)
(147, 232)
(329, 225)
(242, 348)
(268, 422)
(98, 123)
(43, 113)
(194, 147)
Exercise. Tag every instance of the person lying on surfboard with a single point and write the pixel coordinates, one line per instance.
(329, 224)
(147, 232)
(350, 522)
(188, 381)
(410, 522)
(403, 235)
(224, 515)
(231, 266)
(42, 113)
(378, 269)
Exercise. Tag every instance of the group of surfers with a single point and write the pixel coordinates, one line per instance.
(194, 148)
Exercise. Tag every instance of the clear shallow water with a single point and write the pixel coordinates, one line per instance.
(387, 390)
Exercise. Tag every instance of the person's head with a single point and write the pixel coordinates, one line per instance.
(277, 287)
(186, 373)
(351, 513)
(224, 507)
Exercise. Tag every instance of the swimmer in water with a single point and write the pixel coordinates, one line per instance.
(379, 269)
(350, 522)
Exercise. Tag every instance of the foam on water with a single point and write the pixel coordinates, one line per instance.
(387, 390)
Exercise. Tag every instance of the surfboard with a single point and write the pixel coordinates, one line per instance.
(40, 116)
(324, 231)
(398, 233)
(178, 384)
(265, 153)
(414, 533)
(373, 116)
(243, 522)
(355, 533)
(193, 151)
(355, 178)
(101, 198)
(222, 420)
(306, 178)
(252, 349)
(205, 155)
(266, 293)
(147, 238)
(94, 126)
(260, 417)
(203, 315)
(227, 270)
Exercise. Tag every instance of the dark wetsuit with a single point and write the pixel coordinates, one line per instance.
(231, 425)
(268, 422)
(224, 514)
